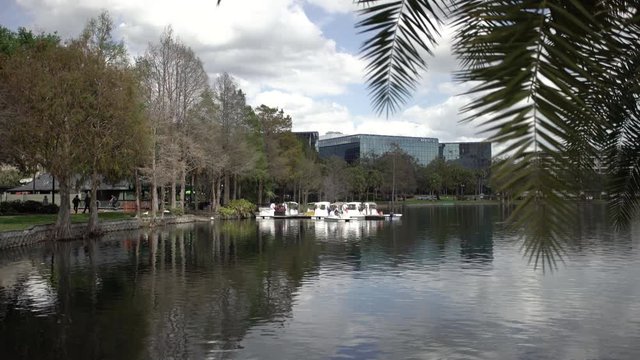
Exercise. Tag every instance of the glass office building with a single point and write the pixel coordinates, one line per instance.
(310, 138)
(470, 155)
(450, 151)
(353, 147)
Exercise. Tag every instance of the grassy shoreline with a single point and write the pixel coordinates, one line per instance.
(24, 222)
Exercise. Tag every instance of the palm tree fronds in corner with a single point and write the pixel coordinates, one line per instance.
(555, 81)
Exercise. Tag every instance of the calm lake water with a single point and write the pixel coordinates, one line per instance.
(442, 283)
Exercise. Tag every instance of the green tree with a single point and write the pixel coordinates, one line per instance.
(208, 136)
(113, 137)
(399, 173)
(357, 176)
(270, 126)
(10, 41)
(310, 178)
(42, 114)
(335, 181)
(431, 177)
(259, 174)
(232, 117)
(285, 166)
(9, 177)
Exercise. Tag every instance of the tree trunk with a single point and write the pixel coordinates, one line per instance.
(183, 182)
(92, 227)
(213, 195)
(226, 190)
(162, 201)
(194, 194)
(138, 189)
(172, 203)
(218, 189)
(295, 192)
(154, 190)
(63, 222)
(260, 185)
(235, 186)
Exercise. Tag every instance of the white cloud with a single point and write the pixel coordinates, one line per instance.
(279, 57)
(443, 120)
(271, 44)
(309, 114)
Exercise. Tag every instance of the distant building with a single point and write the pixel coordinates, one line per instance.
(310, 138)
(450, 151)
(45, 184)
(469, 155)
(353, 147)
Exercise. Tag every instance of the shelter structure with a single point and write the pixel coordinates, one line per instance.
(45, 184)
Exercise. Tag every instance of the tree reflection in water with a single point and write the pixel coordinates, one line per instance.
(198, 291)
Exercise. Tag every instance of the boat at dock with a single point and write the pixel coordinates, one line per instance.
(286, 210)
(324, 210)
(367, 211)
(338, 212)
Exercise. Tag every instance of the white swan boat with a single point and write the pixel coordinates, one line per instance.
(338, 212)
(286, 209)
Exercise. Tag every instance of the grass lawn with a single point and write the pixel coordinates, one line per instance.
(21, 222)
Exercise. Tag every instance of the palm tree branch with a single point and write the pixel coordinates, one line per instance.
(398, 30)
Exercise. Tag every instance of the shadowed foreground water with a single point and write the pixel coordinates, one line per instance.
(445, 282)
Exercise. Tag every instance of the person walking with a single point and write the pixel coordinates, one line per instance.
(113, 201)
(76, 202)
(87, 202)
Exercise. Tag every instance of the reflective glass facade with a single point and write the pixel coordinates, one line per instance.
(352, 147)
(450, 151)
(470, 155)
(309, 137)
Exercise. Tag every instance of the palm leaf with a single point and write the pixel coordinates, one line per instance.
(623, 145)
(399, 31)
(533, 66)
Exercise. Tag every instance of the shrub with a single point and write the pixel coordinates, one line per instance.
(176, 211)
(30, 207)
(5, 208)
(226, 212)
(49, 209)
(242, 208)
(26, 207)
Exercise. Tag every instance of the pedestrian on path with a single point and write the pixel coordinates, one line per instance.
(87, 202)
(76, 202)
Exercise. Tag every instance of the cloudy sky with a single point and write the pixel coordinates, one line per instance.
(299, 55)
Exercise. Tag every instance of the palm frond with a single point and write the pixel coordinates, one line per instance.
(399, 31)
(622, 150)
(533, 65)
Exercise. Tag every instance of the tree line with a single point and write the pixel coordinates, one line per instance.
(84, 106)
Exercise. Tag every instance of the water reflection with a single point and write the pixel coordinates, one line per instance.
(445, 282)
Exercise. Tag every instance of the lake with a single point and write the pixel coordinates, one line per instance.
(445, 282)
